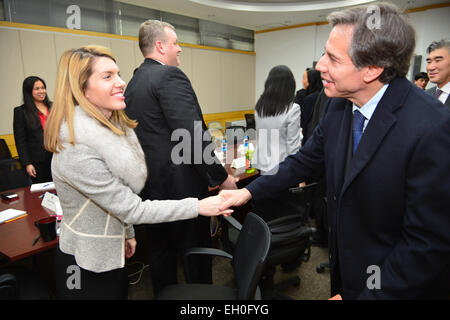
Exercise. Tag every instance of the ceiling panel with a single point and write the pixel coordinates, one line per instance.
(257, 20)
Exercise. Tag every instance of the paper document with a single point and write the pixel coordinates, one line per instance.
(10, 215)
(51, 202)
(42, 186)
(238, 163)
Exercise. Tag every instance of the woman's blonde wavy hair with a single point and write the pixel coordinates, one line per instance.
(74, 70)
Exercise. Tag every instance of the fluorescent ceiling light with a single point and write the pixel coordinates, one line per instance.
(279, 7)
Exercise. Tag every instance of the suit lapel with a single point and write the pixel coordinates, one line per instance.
(340, 156)
(379, 125)
(433, 90)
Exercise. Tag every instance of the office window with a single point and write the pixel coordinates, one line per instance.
(94, 15)
(108, 16)
(129, 18)
(2, 12)
(220, 35)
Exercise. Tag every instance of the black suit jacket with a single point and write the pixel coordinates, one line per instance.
(162, 100)
(29, 140)
(391, 209)
(307, 109)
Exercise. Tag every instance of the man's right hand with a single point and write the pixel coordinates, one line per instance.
(234, 198)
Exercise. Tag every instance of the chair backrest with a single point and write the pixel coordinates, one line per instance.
(13, 175)
(8, 287)
(252, 249)
(301, 199)
(4, 150)
(18, 282)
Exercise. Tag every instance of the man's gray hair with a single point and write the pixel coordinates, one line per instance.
(444, 43)
(151, 31)
(382, 36)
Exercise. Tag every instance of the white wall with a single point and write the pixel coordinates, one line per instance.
(298, 48)
(224, 81)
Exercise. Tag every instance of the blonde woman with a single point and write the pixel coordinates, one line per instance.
(99, 168)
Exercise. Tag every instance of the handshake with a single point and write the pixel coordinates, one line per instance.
(220, 204)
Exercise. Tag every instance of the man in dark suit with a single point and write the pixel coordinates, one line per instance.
(161, 98)
(438, 68)
(384, 146)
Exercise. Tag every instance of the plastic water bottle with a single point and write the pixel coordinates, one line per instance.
(246, 143)
(243, 147)
(224, 150)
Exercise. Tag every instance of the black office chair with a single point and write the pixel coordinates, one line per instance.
(290, 245)
(248, 262)
(19, 283)
(4, 150)
(13, 175)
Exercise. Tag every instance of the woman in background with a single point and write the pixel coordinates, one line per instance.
(99, 169)
(277, 115)
(277, 121)
(312, 83)
(29, 123)
(300, 94)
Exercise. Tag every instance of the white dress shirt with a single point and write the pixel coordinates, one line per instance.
(368, 109)
(445, 92)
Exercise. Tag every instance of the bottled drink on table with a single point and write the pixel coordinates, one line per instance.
(224, 150)
(250, 150)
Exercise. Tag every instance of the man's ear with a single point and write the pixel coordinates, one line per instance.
(372, 73)
(159, 46)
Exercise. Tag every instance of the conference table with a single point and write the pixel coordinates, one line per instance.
(16, 237)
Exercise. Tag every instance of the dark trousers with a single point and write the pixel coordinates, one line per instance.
(167, 243)
(319, 212)
(76, 283)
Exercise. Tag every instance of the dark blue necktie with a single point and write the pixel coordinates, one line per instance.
(358, 125)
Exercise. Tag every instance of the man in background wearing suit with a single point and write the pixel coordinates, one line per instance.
(438, 68)
(384, 146)
(161, 98)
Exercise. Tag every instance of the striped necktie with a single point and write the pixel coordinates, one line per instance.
(437, 93)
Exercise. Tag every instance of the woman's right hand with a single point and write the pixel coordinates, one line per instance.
(210, 206)
(31, 170)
